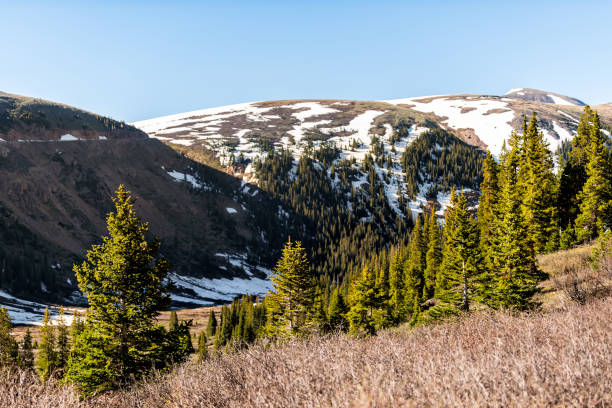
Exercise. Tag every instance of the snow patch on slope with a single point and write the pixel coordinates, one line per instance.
(164, 122)
(561, 101)
(514, 90)
(211, 291)
(562, 132)
(362, 123)
(178, 176)
(568, 116)
(30, 313)
(312, 109)
(490, 119)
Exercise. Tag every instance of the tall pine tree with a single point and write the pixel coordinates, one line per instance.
(573, 174)
(26, 353)
(211, 327)
(433, 256)
(337, 311)
(364, 301)
(461, 256)
(9, 349)
(125, 283)
(538, 187)
(595, 198)
(486, 215)
(63, 343)
(292, 296)
(512, 256)
(47, 357)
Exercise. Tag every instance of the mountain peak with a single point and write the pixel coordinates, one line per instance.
(537, 95)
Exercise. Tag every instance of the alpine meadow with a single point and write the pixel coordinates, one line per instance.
(452, 250)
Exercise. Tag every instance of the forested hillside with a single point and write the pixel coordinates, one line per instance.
(479, 257)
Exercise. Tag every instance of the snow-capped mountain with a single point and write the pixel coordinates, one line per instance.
(529, 94)
(485, 121)
(481, 120)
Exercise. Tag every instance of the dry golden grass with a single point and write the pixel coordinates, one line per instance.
(562, 358)
(573, 278)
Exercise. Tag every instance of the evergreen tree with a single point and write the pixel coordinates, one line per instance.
(573, 173)
(292, 296)
(433, 257)
(9, 349)
(47, 357)
(441, 284)
(416, 310)
(77, 326)
(489, 195)
(125, 284)
(461, 256)
(173, 323)
(416, 264)
(538, 187)
(26, 354)
(177, 345)
(211, 328)
(363, 303)
(202, 347)
(337, 311)
(317, 315)
(397, 288)
(224, 333)
(382, 280)
(63, 345)
(512, 256)
(596, 196)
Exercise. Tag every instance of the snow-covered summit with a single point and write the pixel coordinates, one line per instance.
(529, 94)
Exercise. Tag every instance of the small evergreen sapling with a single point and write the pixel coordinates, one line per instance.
(9, 349)
(47, 357)
(211, 328)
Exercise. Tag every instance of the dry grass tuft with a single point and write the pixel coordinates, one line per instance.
(24, 389)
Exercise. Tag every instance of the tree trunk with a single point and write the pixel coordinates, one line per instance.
(465, 306)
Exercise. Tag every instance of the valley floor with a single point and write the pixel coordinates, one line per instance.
(560, 358)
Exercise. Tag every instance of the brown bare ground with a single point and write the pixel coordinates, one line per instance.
(562, 358)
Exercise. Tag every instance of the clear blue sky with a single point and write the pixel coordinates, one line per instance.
(135, 60)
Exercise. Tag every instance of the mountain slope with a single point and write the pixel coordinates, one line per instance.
(55, 194)
(24, 118)
(480, 120)
(536, 95)
(235, 136)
